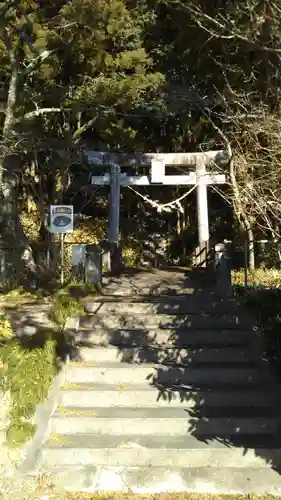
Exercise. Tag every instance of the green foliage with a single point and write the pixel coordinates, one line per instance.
(64, 306)
(266, 305)
(28, 366)
(259, 277)
(5, 327)
(79, 289)
(131, 256)
(141, 76)
(27, 374)
(263, 298)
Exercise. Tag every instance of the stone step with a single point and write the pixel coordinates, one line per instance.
(149, 291)
(180, 424)
(164, 298)
(87, 395)
(152, 480)
(133, 455)
(168, 354)
(180, 337)
(126, 373)
(205, 321)
(165, 443)
(165, 305)
(200, 410)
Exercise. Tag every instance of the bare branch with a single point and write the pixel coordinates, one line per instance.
(39, 112)
(78, 133)
(220, 27)
(35, 63)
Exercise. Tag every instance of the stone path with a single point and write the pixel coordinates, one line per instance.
(156, 282)
(167, 390)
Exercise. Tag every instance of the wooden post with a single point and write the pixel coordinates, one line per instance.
(114, 216)
(202, 211)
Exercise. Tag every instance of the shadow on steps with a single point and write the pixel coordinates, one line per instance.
(215, 360)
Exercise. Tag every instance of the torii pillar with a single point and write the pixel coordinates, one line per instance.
(114, 218)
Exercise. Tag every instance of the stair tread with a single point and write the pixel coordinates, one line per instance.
(151, 479)
(206, 388)
(123, 373)
(201, 410)
(167, 347)
(178, 424)
(178, 443)
(133, 455)
(171, 307)
(186, 337)
(157, 414)
(222, 357)
(162, 298)
(124, 365)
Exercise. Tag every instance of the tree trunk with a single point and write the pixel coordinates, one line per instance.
(18, 251)
(251, 248)
(242, 216)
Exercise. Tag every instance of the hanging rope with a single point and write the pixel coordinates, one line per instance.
(165, 207)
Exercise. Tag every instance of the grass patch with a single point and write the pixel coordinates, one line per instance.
(28, 365)
(26, 371)
(19, 296)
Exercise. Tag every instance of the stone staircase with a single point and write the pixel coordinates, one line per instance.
(166, 393)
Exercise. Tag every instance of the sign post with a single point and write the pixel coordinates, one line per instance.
(61, 258)
(61, 222)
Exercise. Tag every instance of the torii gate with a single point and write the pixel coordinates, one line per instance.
(200, 178)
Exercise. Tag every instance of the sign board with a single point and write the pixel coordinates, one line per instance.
(157, 171)
(61, 219)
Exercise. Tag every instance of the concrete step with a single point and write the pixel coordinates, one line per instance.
(179, 337)
(180, 424)
(126, 373)
(207, 321)
(115, 290)
(162, 305)
(201, 410)
(168, 354)
(152, 480)
(90, 395)
(164, 298)
(165, 443)
(133, 455)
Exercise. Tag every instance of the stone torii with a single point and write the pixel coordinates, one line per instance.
(200, 178)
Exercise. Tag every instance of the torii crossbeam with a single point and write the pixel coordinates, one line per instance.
(201, 178)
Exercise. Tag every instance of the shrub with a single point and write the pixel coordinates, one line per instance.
(258, 277)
